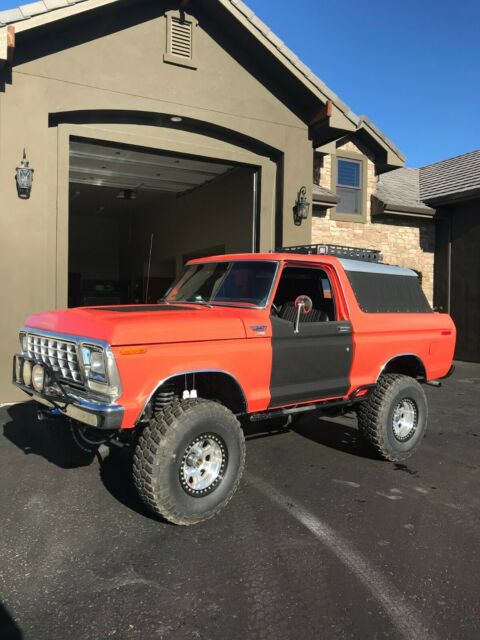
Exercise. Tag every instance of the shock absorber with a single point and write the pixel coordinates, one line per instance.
(165, 395)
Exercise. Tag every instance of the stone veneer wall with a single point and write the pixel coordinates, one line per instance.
(403, 241)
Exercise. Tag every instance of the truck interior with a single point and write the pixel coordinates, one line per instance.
(137, 215)
(304, 281)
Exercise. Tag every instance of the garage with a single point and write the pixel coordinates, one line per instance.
(137, 215)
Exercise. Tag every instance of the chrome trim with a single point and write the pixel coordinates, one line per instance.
(92, 405)
(67, 336)
(113, 377)
(94, 414)
(187, 373)
(401, 355)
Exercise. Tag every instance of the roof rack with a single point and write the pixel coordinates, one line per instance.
(352, 253)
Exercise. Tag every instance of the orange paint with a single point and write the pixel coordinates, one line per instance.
(223, 339)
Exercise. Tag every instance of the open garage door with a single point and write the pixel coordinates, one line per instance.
(136, 216)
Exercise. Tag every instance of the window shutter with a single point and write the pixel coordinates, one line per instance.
(181, 38)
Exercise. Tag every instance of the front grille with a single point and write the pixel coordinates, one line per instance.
(60, 355)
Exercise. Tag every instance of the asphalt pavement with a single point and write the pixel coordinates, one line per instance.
(321, 541)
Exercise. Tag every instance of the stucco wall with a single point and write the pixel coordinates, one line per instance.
(403, 241)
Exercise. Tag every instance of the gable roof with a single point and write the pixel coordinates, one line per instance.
(29, 16)
(418, 191)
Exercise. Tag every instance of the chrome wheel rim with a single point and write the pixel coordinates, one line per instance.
(203, 465)
(404, 420)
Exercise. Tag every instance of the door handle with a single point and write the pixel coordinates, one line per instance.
(343, 329)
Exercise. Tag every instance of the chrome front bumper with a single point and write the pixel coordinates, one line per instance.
(93, 413)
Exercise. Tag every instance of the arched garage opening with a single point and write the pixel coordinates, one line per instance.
(136, 215)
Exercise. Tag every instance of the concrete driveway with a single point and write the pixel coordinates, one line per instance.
(321, 541)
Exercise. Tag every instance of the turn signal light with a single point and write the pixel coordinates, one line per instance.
(133, 351)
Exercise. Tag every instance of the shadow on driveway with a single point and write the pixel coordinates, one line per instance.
(50, 439)
(335, 435)
(9, 630)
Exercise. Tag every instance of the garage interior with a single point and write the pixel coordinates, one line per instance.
(136, 216)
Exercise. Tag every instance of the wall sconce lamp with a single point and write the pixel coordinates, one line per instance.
(302, 207)
(24, 178)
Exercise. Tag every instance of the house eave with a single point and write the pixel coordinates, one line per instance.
(388, 157)
(324, 204)
(381, 208)
(452, 198)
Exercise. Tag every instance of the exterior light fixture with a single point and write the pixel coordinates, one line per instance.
(24, 178)
(127, 194)
(176, 119)
(302, 207)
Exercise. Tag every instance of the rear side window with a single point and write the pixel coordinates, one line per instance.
(388, 292)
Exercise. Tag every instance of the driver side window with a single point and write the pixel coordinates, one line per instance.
(305, 281)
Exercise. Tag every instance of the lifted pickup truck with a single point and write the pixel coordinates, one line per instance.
(248, 336)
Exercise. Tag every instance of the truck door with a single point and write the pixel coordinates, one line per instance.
(315, 362)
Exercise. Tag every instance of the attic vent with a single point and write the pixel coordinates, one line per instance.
(181, 38)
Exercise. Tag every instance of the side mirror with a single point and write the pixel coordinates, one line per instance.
(303, 305)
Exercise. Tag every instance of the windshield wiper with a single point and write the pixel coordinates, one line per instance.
(201, 302)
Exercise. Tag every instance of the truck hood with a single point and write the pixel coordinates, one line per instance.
(144, 324)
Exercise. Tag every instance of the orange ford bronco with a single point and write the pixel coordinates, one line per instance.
(248, 336)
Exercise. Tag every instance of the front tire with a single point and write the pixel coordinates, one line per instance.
(189, 461)
(393, 419)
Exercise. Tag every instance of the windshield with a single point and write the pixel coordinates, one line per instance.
(244, 283)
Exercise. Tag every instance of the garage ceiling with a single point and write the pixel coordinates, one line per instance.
(124, 168)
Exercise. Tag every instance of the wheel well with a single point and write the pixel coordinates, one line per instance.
(210, 385)
(409, 365)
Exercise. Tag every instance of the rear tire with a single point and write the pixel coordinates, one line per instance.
(393, 419)
(189, 461)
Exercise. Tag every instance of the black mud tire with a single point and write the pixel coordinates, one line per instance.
(376, 416)
(159, 455)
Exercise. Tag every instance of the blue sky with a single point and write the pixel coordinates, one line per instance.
(413, 66)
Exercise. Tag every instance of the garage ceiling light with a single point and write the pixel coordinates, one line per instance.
(127, 194)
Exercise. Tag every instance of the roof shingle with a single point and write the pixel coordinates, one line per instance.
(399, 190)
(415, 189)
(453, 177)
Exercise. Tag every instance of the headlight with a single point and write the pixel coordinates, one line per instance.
(38, 377)
(97, 364)
(100, 370)
(94, 363)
